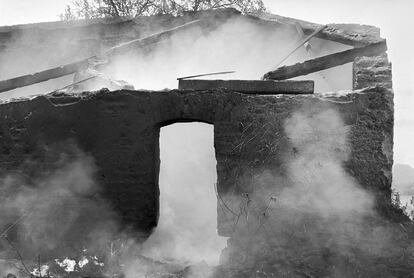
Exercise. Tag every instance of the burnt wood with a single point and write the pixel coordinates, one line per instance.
(326, 62)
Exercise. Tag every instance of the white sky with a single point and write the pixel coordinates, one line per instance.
(394, 17)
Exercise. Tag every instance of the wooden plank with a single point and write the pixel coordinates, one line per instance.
(249, 86)
(349, 34)
(30, 79)
(154, 38)
(326, 62)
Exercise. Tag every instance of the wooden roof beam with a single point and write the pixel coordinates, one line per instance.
(326, 62)
(359, 35)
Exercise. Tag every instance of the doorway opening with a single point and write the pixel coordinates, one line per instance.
(187, 224)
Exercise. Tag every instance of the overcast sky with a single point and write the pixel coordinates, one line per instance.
(394, 17)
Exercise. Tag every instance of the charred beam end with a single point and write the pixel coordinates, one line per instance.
(29, 79)
(265, 87)
(326, 62)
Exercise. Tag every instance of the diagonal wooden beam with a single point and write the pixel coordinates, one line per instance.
(326, 62)
(30, 79)
(154, 38)
(355, 35)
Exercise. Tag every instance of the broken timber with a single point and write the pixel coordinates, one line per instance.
(26, 80)
(155, 38)
(305, 40)
(30, 79)
(205, 74)
(364, 35)
(326, 62)
(264, 87)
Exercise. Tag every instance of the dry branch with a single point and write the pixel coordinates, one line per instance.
(19, 255)
(326, 62)
(5, 232)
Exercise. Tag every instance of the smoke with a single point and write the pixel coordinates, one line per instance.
(39, 199)
(330, 204)
(57, 212)
(28, 51)
(236, 45)
(186, 230)
(312, 179)
(245, 46)
(310, 208)
(53, 211)
(319, 182)
(239, 44)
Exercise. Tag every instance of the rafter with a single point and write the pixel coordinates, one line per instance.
(326, 62)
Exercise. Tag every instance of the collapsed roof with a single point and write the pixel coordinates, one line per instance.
(105, 38)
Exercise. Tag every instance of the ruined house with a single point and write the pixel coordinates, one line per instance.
(120, 129)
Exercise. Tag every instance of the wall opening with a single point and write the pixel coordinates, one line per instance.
(187, 224)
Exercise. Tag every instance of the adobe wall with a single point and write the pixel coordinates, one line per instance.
(121, 131)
